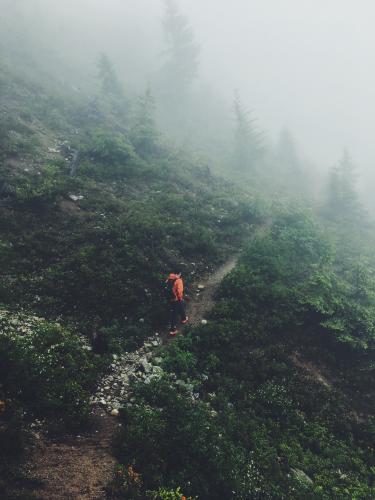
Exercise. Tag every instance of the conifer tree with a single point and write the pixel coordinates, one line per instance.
(178, 71)
(286, 152)
(343, 200)
(109, 82)
(248, 140)
(143, 132)
(182, 53)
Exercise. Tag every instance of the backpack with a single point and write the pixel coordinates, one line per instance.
(168, 289)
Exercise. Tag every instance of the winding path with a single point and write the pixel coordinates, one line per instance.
(79, 467)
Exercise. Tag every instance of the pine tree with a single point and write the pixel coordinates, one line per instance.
(343, 200)
(286, 153)
(143, 132)
(110, 85)
(178, 71)
(182, 53)
(248, 140)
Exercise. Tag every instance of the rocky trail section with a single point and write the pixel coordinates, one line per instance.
(79, 467)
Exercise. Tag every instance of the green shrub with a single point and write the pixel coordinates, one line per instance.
(46, 368)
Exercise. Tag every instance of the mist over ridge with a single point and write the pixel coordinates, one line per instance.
(302, 65)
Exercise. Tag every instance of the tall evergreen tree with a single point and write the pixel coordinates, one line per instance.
(287, 155)
(109, 82)
(343, 200)
(248, 140)
(178, 71)
(182, 53)
(143, 132)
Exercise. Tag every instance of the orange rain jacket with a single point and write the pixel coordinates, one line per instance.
(178, 287)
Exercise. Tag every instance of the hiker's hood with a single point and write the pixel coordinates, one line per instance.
(173, 277)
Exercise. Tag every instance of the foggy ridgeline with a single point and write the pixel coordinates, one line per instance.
(120, 161)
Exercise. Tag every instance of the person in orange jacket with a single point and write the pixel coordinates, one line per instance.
(174, 291)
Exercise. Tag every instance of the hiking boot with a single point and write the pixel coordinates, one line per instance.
(184, 321)
(172, 333)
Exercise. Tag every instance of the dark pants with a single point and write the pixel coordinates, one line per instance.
(177, 311)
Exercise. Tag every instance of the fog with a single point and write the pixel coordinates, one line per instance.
(301, 64)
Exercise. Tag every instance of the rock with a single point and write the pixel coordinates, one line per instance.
(158, 360)
(204, 322)
(75, 197)
(302, 476)
(157, 370)
(147, 367)
(115, 413)
(201, 287)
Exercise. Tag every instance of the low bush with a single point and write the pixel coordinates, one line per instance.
(45, 369)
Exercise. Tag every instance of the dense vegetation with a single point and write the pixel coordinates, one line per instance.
(235, 416)
(86, 243)
(274, 397)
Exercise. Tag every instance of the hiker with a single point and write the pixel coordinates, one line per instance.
(174, 291)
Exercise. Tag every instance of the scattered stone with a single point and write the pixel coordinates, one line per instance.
(147, 367)
(115, 413)
(74, 197)
(200, 287)
(157, 370)
(204, 322)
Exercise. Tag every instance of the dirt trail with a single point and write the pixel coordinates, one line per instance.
(76, 467)
(204, 302)
(79, 467)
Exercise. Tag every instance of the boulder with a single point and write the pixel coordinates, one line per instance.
(147, 367)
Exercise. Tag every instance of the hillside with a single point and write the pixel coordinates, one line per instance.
(84, 256)
(272, 397)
